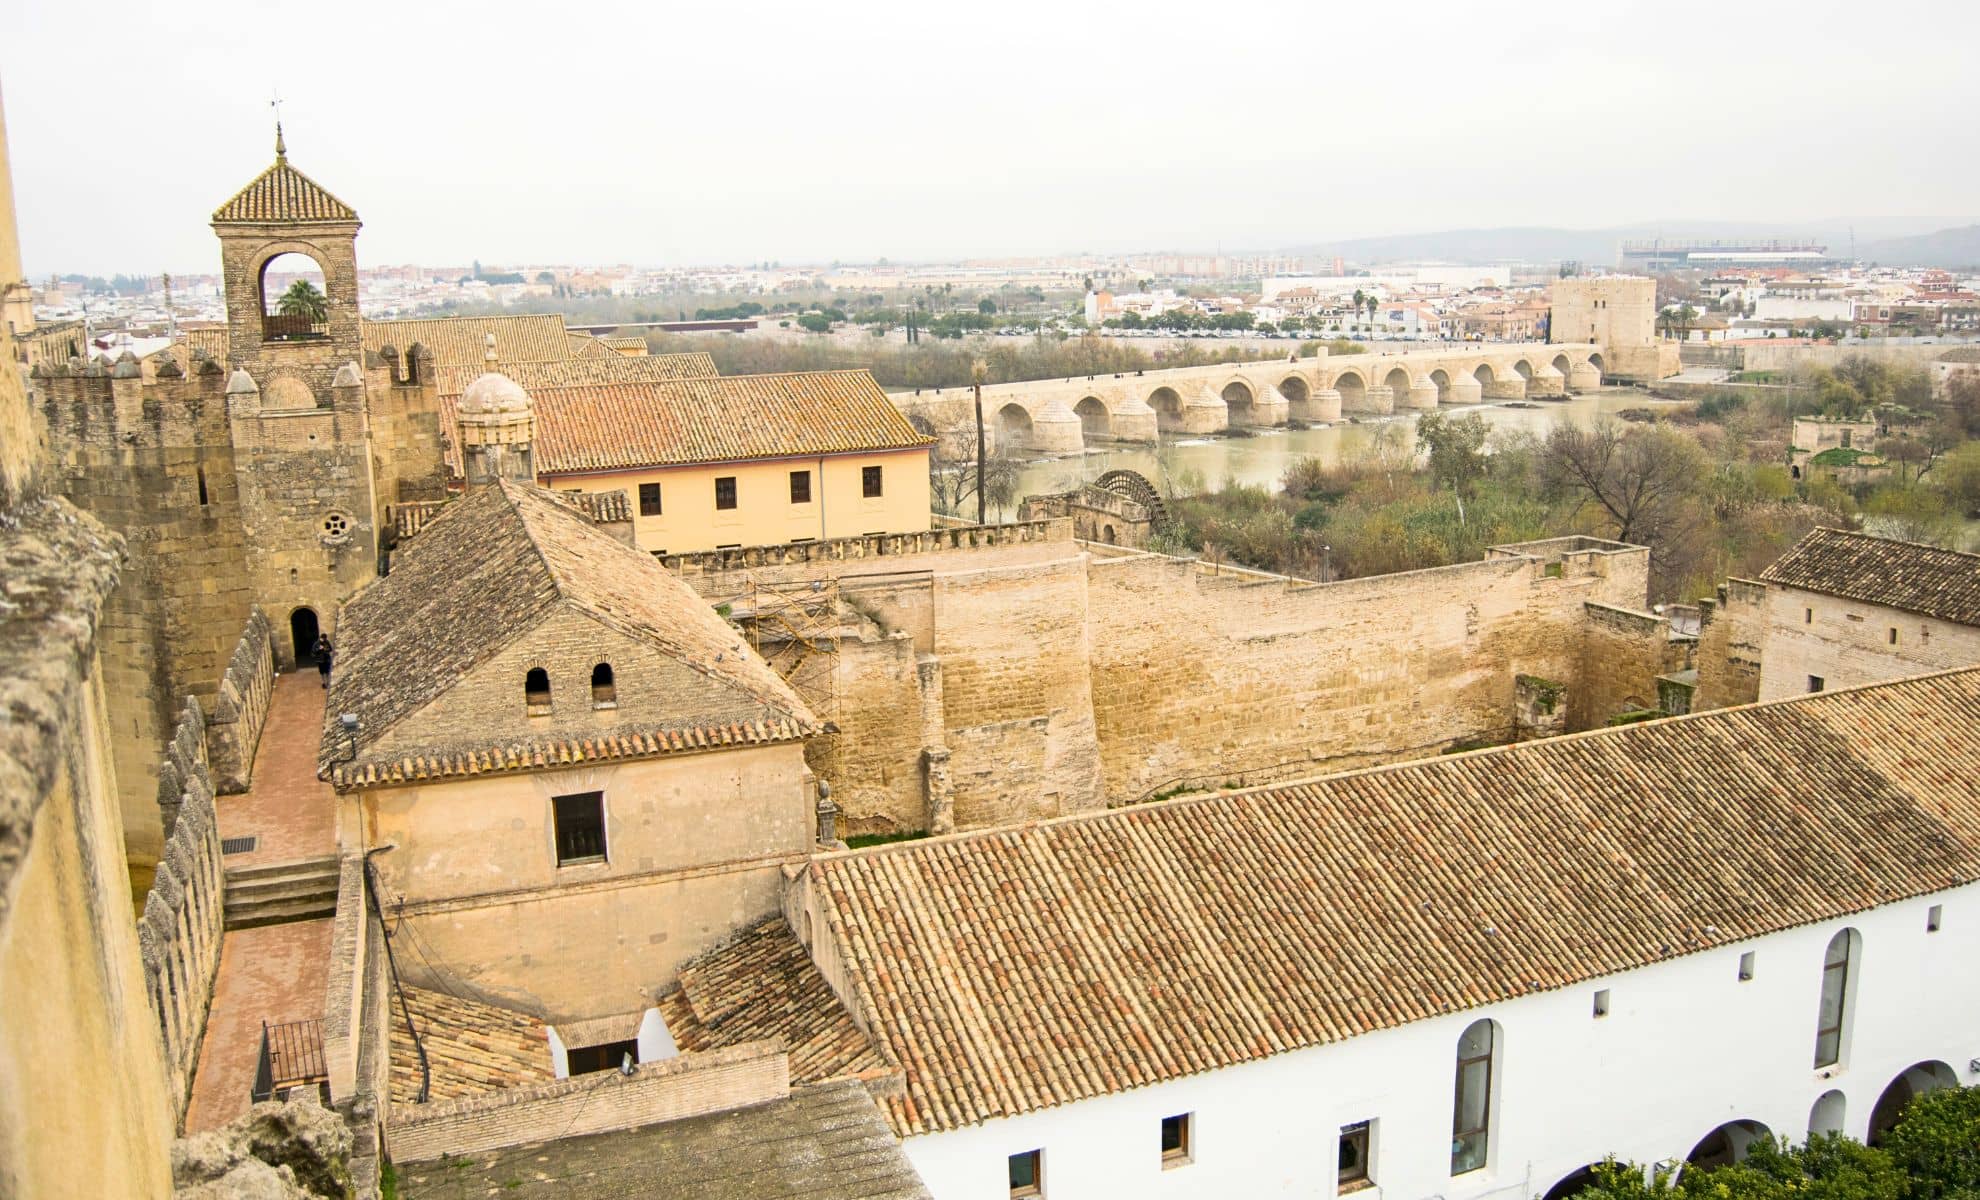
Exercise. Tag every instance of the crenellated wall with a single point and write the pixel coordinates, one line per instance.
(240, 707)
(179, 934)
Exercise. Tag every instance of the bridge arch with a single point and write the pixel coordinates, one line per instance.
(1294, 389)
(1563, 364)
(1013, 427)
(1524, 369)
(1595, 360)
(1354, 391)
(1241, 402)
(1442, 379)
(1397, 381)
(1484, 374)
(1168, 405)
(1094, 419)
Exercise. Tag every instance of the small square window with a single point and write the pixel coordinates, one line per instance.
(1816, 683)
(1028, 1173)
(1354, 1169)
(1746, 967)
(649, 499)
(608, 1056)
(725, 491)
(800, 487)
(1602, 1002)
(869, 481)
(1175, 1140)
(1932, 918)
(580, 828)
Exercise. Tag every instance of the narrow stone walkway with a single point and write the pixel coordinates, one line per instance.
(274, 973)
(289, 811)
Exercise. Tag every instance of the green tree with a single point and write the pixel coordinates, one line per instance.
(815, 322)
(1937, 1144)
(1456, 447)
(1912, 513)
(303, 300)
(1958, 476)
(986, 306)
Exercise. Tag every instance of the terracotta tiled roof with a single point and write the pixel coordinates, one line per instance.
(471, 1047)
(1856, 566)
(584, 345)
(460, 341)
(722, 418)
(486, 571)
(282, 193)
(575, 372)
(763, 987)
(1019, 968)
(636, 345)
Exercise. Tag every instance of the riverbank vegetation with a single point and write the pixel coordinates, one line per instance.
(1708, 487)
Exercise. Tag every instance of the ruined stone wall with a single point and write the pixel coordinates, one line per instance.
(155, 463)
(1731, 632)
(408, 459)
(240, 707)
(1623, 650)
(874, 763)
(1848, 643)
(179, 934)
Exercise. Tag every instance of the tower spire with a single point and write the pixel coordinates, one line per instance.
(275, 102)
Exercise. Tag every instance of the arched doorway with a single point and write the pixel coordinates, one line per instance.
(1573, 1183)
(1092, 417)
(1354, 393)
(1237, 403)
(302, 635)
(1911, 1083)
(1013, 428)
(1167, 403)
(1727, 1144)
(1827, 1115)
(1107, 533)
(295, 305)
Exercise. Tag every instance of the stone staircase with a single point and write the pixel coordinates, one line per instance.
(281, 892)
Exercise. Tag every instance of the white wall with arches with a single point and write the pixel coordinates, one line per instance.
(1682, 1047)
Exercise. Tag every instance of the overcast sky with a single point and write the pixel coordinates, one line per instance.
(722, 132)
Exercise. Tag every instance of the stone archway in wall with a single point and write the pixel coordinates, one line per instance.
(1013, 428)
(1397, 381)
(1525, 369)
(1442, 379)
(1727, 1144)
(1354, 392)
(1238, 402)
(1485, 375)
(1294, 389)
(293, 287)
(303, 629)
(1094, 419)
(1912, 1082)
(1595, 360)
(1827, 1114)
(1168, 406)
(1562, 365)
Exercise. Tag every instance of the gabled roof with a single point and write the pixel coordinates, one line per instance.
(721, 418)
(282, 193)
(486, 571)
(580, 372)
(1906, 575)
(1020, 968)
(462, 341)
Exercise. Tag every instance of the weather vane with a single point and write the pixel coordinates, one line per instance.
(275, 102)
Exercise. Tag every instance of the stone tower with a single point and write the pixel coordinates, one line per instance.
(498, 426)
(296, 404)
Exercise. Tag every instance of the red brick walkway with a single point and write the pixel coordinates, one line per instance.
(273, 973)
(291, 811)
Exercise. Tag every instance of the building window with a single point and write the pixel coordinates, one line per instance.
(200, 472)
(1893, 635)
(536, 692)
(1832, 1018)
(1028, 1173)
(1354, 1167)
(1816, 683)
(580, 827)
(1602, 1002)
(1175, 1141)
(1746, 967)
(649, 499)
(1807, 616)
(583, 1060)
(725, 491)
(1932, 918)
(603, 693)
(1471, 1119)
(800, 487)
(869, 481)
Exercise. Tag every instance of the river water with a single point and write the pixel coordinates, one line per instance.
(1262, 458)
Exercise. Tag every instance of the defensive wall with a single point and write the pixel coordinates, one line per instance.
(1034, 675)
(1060, 416)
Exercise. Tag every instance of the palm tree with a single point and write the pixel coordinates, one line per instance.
(303, 300)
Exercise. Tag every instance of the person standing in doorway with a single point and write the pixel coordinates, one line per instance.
(323, 650)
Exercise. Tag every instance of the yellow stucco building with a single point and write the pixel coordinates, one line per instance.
(736, 460)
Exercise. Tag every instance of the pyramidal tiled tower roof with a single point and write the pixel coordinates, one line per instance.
(282, 193)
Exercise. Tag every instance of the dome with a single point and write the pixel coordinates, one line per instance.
(494, 392)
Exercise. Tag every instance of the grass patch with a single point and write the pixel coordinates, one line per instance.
(860, 841)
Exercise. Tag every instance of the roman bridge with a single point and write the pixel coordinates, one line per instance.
(1060, 416)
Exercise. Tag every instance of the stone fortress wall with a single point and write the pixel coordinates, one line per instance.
(1044, 676)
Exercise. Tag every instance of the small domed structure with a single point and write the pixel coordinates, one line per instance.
(497, 424)
(493, 392)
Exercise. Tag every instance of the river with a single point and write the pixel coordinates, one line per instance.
(1262, 458)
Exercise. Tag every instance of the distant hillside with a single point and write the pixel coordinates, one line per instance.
(1946, 248)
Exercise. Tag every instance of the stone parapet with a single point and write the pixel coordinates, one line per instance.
(240, 708)
(946, 537)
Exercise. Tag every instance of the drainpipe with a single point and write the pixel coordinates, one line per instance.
(821, 497)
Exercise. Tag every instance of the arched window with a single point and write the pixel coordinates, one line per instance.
(1832, 1019)
(1471, 1117)
(536, 691)
(603, 694)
